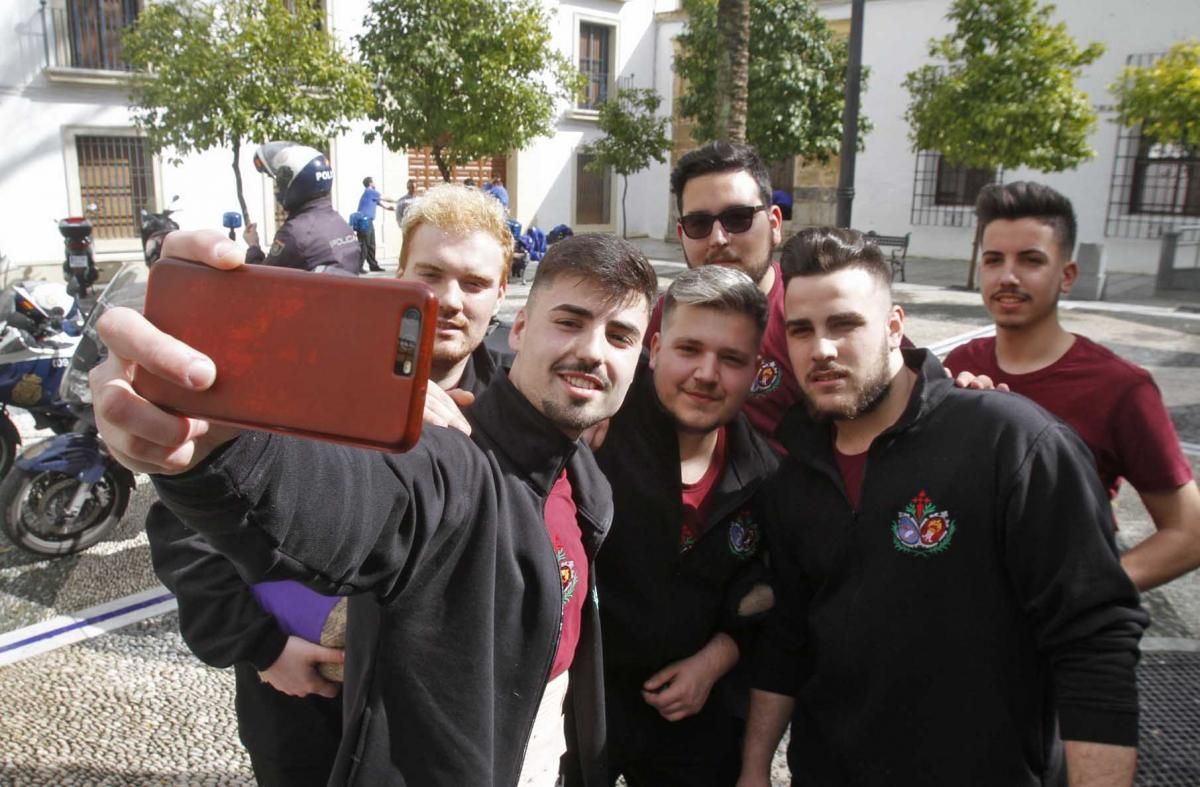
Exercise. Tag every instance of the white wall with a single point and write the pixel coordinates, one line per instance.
(37, 180)
(544, 179)
(895, 39)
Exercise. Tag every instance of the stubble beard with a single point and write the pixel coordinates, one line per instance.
(871, 394)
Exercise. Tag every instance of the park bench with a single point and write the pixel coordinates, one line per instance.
(899, 245)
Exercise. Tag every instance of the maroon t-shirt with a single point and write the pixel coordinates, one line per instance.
(1111, 403)
(696, 497)
(563, 525)
(775, 388)
(852, 467)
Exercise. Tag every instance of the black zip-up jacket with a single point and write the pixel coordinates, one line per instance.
(314, 236)
(934, 634)
(456, 600)
(219, 618)
(658, 606)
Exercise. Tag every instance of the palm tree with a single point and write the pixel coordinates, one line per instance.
(733, 68)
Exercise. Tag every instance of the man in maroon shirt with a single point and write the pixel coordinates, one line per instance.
(1028, 242)
(723, 194)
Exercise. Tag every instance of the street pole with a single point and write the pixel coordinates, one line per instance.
(845, 189)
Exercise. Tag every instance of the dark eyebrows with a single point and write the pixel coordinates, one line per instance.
(580, 311)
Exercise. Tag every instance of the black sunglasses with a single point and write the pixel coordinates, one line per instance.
(735, 220)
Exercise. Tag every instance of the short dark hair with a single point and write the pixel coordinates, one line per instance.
(366, 181)
(820, 250)
(719, 287)
(719, 156)
(615, 266)
(1026, 200)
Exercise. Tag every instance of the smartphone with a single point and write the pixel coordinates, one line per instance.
(318, 355)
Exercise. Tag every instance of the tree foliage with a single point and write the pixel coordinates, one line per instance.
(1164, 97)
(1001, 92)
(634, 135)
(796, 84)
(217, 73)
(467, 78)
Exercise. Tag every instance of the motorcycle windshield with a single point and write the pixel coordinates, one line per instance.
(127, 288)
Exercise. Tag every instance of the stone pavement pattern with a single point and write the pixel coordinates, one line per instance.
(134, 707)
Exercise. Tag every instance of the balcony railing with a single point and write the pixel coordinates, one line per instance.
(86, 34)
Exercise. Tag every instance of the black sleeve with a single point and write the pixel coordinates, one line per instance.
(254, 255)
(341, 520)
(219, 617)
(1060, 552)
(778, 652)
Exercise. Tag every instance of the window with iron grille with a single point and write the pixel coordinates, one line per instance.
(944, 193)
(93, 30)
(115, 173)
(595, 59)
(1153, 183)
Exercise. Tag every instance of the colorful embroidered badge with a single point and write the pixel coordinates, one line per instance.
(920, 529)
(566, 574)
(768, 378)
(743, 535)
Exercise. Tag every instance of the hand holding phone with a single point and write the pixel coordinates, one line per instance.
(317, 355)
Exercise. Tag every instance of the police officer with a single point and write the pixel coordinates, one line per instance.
(314, 237)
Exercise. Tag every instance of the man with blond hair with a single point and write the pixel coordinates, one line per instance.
(289, 715)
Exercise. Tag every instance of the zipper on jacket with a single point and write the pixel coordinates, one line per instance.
(549, 662)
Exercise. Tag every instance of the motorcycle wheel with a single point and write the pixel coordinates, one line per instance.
(10, 441)
(33, 506)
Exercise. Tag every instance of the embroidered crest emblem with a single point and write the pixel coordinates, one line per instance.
(920, 529)
(768, 378)
(28, 391)
(566, 574)
(276, 249)
(743, 535)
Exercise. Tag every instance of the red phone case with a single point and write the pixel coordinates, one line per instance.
(318, 355)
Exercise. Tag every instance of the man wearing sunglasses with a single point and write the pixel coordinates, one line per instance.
(723, 194)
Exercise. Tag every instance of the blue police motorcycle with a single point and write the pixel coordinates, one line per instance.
(66, 493)
(40, 325)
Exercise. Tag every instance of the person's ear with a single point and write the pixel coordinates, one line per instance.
(895, 326)
(655, 343)
(516, 334)
(1070, 273)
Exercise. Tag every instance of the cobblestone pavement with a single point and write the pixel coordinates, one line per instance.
(133, 707)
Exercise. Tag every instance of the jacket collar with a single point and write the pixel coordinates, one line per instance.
(479, 371)
(515, 429)
(748, 457)
(804, 437)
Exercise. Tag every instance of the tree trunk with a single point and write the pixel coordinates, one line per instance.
(237, 177)
(441, 163)
(974, 256)
(624, 191)
(733, 68)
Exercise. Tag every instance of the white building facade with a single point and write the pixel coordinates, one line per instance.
(1124, 197)
(71, 140)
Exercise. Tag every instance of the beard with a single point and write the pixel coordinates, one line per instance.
(876, 382)
(579, 415)
(755, 269)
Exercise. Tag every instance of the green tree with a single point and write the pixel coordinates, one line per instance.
(633, 137)
(797, 75)
(1164, 97)
(218, 73)
(467, 78)
(1001, 92)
